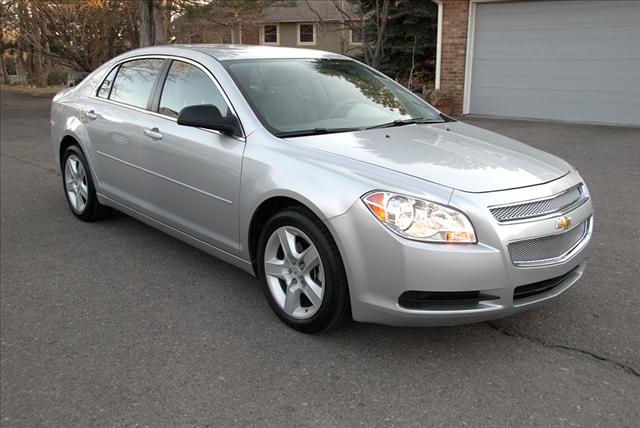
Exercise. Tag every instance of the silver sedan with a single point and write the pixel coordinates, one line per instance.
(344, 193)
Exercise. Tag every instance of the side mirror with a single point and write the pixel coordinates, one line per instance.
(208, 116)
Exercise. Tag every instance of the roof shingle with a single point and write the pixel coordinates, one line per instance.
(308, 11)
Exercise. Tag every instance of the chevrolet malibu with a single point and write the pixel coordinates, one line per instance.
(344, 193)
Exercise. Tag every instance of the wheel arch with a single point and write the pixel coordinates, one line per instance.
(66, 142)
(69, 138)
(269, 206)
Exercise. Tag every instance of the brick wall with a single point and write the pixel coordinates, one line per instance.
(250, 34)
(455, 21)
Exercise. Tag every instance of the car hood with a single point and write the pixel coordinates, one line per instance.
(452, 154)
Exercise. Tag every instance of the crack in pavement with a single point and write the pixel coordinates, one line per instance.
(513, 333)
(44, 168)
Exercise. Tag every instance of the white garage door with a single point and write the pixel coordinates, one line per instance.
(566, 60)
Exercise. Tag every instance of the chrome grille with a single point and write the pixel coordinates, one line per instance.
(537, 208)
(547, 249)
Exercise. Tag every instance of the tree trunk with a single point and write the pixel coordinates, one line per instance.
(45, 60)
(375, 61)
(3, 62)
(46, 65)
(5, 73)
(159, 9)
(22, 65)
(413, 61)
(37, 60)
(30, 42)
(36, 67)
(145, 28)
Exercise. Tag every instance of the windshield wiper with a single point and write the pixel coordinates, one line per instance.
(402, 122)
(314, 131)
(320, 131)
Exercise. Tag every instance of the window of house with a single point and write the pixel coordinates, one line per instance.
(270, 34)
(134, 82)
(306, 34)
(355, 36)
(187, 85)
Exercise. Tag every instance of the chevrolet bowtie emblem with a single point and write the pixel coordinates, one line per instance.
(563, 223)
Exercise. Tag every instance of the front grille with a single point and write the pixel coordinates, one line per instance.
(535, 288)
(537, 208)
(442, 300)
(547, 249)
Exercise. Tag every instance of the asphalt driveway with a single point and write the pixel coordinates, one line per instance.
(115, 323)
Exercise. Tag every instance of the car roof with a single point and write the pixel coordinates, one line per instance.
(233, 52)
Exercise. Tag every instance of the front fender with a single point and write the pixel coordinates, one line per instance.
(325, 183)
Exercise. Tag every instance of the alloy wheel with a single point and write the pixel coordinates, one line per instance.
(294, 272)
(76, 185)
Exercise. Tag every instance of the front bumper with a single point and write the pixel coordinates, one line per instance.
(381, 265)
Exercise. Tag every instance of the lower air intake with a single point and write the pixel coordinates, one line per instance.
(442, 300)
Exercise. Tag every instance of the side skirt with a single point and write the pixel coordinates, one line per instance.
(201, 245)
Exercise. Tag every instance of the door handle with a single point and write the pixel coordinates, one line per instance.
(91, 114)
(153, 133)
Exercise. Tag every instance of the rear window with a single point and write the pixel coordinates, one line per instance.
(105, 88)
(134, 82)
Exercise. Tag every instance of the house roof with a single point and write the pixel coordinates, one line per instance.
(308, 11)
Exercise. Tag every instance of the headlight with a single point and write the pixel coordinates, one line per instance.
(419, 219)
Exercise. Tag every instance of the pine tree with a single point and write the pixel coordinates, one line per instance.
(408, 49)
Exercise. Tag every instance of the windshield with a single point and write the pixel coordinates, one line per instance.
(298, 96)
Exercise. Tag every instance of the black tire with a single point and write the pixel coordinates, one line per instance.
(93, 210)
(335, 307)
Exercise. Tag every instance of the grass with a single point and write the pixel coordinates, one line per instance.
(48, 92)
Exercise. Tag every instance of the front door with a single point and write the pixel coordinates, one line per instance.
(193, 178)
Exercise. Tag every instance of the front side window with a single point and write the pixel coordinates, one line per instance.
(306, 34)
(270, 34)
(134, 82)
(187, 85)
(292, 96)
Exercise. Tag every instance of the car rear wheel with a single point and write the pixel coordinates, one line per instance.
(79, 188)
(302, 273)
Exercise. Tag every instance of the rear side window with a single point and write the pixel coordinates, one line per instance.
(187, 85)
(105, 88)
(134, 82)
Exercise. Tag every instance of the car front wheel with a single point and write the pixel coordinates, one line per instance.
(302, 273)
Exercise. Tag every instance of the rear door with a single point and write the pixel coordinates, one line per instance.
(115, 118)
(193, 179)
